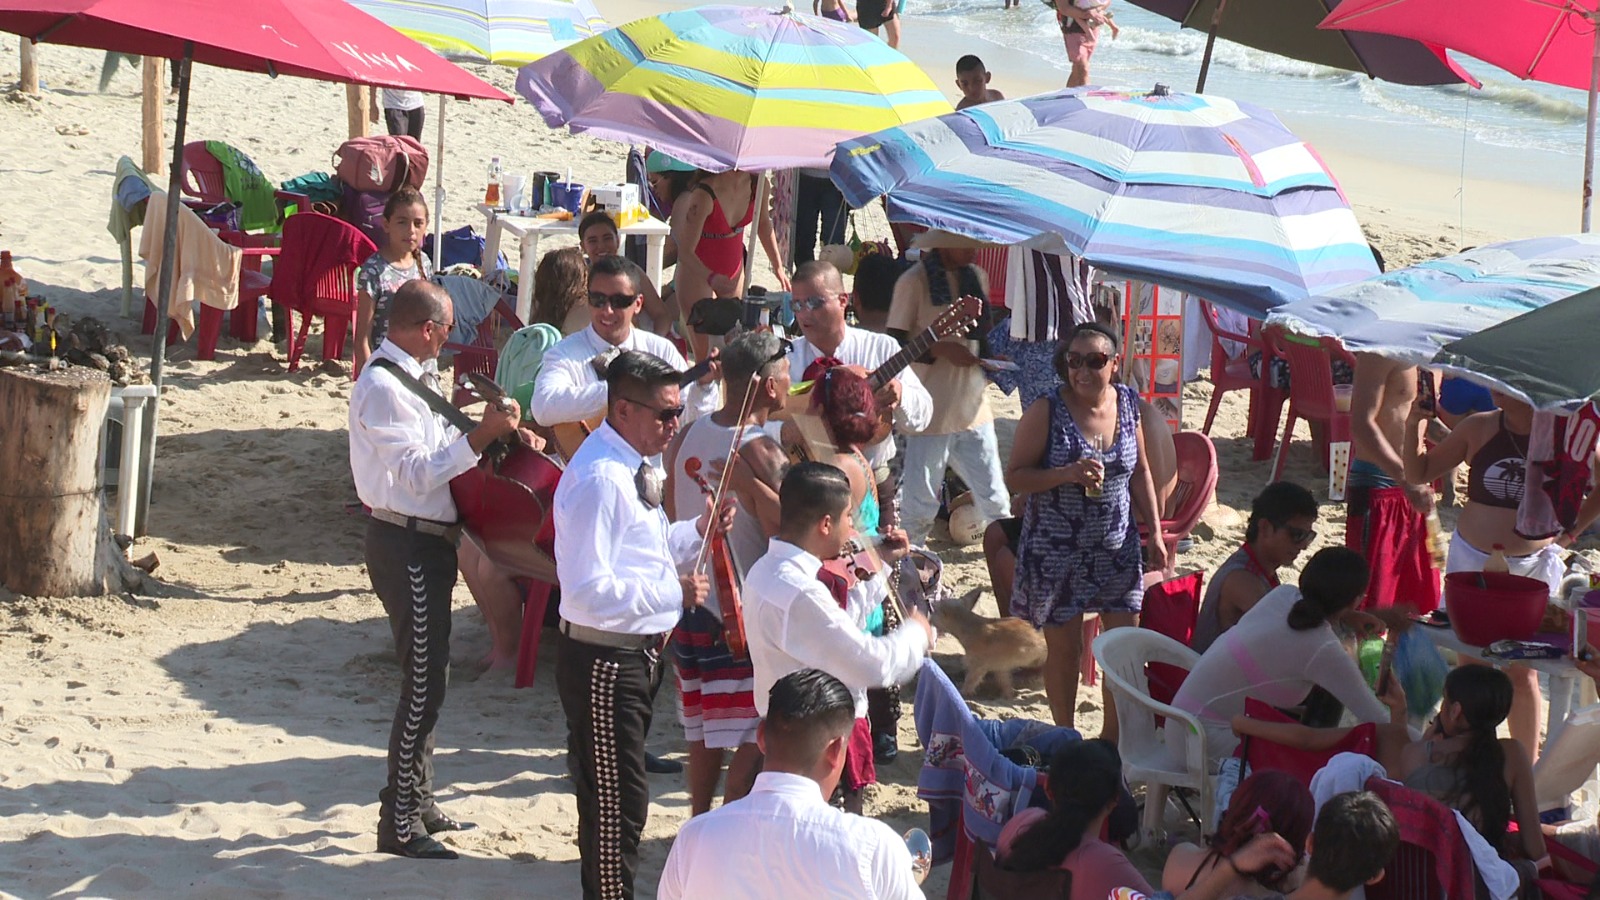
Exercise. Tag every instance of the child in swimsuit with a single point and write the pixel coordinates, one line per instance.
(831, 9)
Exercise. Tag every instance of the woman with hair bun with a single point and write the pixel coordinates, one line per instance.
(1282, 648)
(1084, 788)
(1266, 802)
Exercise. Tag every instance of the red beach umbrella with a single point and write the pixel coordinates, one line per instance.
(328, 40)
(1552, 41)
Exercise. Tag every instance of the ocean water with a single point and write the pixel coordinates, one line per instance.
(1509, 130)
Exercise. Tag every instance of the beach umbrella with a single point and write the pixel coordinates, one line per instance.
(500, 32)
(1197, 193)
(1409, 314)
(731, 87)
(1547, 357)
(328, 40)
(1551, 41)
(1289, 28)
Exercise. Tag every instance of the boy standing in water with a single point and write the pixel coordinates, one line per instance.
(972, 77)
(1080, 22)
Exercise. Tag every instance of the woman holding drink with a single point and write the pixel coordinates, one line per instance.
(1078, 457)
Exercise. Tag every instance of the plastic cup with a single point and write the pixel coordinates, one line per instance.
(514, 192)
(1341, 397)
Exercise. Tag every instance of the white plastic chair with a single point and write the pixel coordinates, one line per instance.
(1569, 761)
(1146, 758)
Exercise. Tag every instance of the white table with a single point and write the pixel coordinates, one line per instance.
(1565, 679)
(529, 230)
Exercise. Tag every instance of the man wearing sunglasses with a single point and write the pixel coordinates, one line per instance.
(1283, 520)
(626, 580)
(402, 457)
(571, 384)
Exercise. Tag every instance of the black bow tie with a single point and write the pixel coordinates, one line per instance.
(649, 483)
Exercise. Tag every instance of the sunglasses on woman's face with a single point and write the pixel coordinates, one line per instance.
(615, 301)
(1095, 361)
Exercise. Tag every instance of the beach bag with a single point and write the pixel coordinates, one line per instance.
(463, 245)
(364, 210)
(383, 163)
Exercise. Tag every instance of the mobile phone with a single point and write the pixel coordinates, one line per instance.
(1385, 668)
(1427, 395)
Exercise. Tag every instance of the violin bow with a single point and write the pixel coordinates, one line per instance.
(745, 407)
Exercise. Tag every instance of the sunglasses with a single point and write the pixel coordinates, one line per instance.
(663, 415)
(1095, 361)
(615, 301)
(784, 346)
(1298, 535)
(812, 303)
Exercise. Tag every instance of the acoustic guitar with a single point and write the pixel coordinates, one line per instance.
(955, 321)
(568, 436)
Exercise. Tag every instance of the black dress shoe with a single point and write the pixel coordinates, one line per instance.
(441, 823)
(419, 847)
(655, 765)
(885, 748)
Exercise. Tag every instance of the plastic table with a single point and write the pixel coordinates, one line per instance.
(528, 230)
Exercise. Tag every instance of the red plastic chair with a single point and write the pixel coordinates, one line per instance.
(1311, 392)
(1432, 862)
(1261, 753)
(1266, 402)
(482, 356)
(253, 283)
(202, 175)
(1171, 608)
(313, 280)
(1191, 496)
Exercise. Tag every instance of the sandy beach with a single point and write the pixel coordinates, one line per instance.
(224, 737)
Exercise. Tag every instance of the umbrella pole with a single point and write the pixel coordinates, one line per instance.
(1211, 41)
(763, 184)
(1588, 133)
(438, 193)
(169, 263)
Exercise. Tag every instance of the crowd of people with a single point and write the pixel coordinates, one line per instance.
(738, 518)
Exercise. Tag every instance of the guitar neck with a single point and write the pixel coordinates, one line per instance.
(913, 350)
(694, 373)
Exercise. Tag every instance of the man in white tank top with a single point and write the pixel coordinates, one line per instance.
(718, 708)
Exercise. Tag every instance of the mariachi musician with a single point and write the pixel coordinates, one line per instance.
(571, 386)
(403, 456)
(627, 576)
(714, 673)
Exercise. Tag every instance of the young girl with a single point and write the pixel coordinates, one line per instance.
(1265, 802)
(405, 222)
(561, 290)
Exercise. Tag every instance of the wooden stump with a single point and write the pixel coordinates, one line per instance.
(355, 98)
(152, 98)
(29, 80)
(52, 522)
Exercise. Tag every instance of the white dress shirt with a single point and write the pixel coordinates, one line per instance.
(791, 622)
(570, 390)
(617, 559)
(783, 841)
(402, 454)
(869, 350)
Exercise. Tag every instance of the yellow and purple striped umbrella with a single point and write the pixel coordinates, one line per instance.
(503, 32)
(726, 87)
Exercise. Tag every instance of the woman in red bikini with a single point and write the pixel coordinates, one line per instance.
(710, 249)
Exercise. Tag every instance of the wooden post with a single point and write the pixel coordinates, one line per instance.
(153, 99)
(30, 68)
(355, 96)
(375, 109)
(50, 482)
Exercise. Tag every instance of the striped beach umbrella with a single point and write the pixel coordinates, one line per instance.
(731, 87)
(1196, 193)
(1410, 314)
(503, 32)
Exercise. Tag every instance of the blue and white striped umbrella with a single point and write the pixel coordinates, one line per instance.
(1197, 193)
(1409, 314)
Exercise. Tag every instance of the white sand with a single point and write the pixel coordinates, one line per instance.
(226, 738)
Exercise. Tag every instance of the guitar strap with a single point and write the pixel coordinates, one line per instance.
(438, 404)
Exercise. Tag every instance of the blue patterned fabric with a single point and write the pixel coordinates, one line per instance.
(1080, 554)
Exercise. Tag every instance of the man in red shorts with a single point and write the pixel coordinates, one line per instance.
(1387, 517)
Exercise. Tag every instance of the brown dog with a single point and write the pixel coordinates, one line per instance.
(993, 646)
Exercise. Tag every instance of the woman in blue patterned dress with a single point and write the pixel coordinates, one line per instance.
(1080, 550)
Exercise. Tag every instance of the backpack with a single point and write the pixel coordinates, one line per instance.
(382, 163)
(521, 358)
(364, 210)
